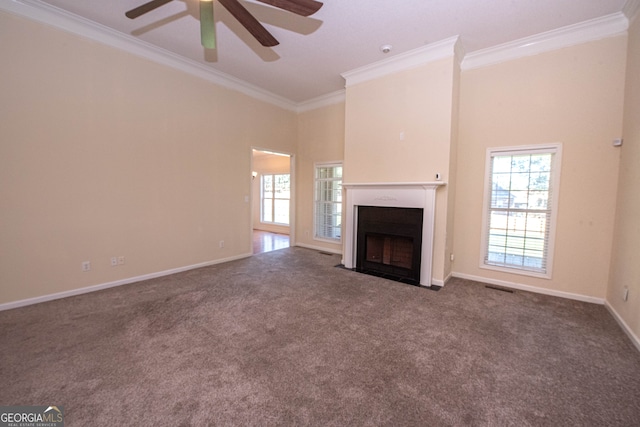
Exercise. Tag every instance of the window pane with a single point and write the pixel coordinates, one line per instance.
(515, 222)
(519, 181)
(502, 164)
(520, 163)
(282, 186)
(498, 220)
(500, 198)
(325, 173)
(538, 200)
(541, 162)
(281, 211)
(267, 186)
(539, 181)
(537, 224)
(330, 191)
(267, 210)
(329, 221)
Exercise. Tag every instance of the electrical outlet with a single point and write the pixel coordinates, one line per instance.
(452, 257)
(114, 261)
(86, 265)
(121, 260)
(625, 294)
(221, 244)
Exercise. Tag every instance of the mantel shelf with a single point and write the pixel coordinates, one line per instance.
(430, 184)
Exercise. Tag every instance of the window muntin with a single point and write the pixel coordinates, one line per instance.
(328, 202)
(275, 197)
(520, 206)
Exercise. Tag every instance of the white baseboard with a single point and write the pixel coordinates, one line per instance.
(79, 291)
(634, 338)
(528, 288)
(319, 248)
(438, 282)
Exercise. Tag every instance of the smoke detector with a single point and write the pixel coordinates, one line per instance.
(385, 48)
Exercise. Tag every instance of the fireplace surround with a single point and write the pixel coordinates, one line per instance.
(421, 196)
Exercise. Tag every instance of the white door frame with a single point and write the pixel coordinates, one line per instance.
(292, 200)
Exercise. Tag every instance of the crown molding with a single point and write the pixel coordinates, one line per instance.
(631, 9)
(322, 101)
(583, 32)
(58, 18)
(405, 61)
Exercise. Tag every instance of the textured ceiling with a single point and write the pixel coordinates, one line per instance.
(341, 36)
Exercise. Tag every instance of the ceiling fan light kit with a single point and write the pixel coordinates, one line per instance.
(207, 25)
(257, 30)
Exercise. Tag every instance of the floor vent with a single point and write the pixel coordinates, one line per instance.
(496, 288)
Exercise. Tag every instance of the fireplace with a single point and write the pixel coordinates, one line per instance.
(391, 246)
(390, 242)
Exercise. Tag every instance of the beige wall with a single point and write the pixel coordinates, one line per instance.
(625, 267)
(105, 154)
(573, 96)
(267, 164)
(320, 139)
(419, 103)
(452, 181)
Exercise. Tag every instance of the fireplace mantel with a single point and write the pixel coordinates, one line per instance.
(430, 184)
(392, 194)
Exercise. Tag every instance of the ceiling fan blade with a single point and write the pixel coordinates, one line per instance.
(207, 24)
(250, 23)
(147, 7)
(299, 7)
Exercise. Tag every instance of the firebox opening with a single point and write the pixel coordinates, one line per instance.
(390, 242)
(389, 250)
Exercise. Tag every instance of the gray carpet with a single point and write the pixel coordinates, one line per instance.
(285, 338)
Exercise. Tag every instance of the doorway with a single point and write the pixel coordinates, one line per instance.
(272, 204)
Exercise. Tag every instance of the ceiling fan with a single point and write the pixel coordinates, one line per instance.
(207, 27)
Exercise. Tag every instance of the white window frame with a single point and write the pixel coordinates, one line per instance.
(554, 188)
(273, 199)
(317, 201)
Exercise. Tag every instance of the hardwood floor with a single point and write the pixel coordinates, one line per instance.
(264, 241)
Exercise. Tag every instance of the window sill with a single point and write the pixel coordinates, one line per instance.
(515, 270)
(327, 240)
(279, 224)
